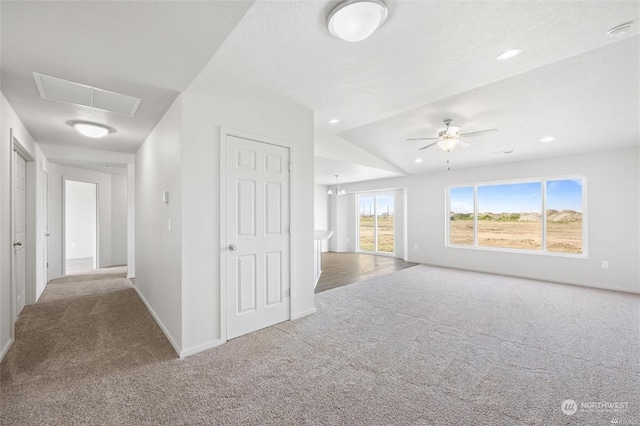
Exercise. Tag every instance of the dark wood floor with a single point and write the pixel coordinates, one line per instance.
(340, 269)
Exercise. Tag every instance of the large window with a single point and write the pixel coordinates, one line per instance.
(376, 231)
(510, 216)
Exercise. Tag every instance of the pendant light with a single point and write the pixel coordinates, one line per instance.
(336, 190)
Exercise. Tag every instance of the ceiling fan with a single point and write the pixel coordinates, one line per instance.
(450, 137)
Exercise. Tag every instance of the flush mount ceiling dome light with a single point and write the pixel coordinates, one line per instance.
(91, 130)
(355, 20)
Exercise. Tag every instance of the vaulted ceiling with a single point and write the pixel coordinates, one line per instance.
(430, 60)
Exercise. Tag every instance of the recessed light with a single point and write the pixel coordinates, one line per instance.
(334, 121)
(418, 160)
(91, 130)
(547, 139)
(355, 20)
(508, 54)
(619, 31)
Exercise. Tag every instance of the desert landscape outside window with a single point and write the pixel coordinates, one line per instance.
(564, 215)
(461, 218)
(376, 223)
(510, 215)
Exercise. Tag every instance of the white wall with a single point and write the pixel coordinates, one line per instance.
(9, 121)
(178, 271)
(119, 218)
(80, 207)
(341, 208)
(344, 219)
(203, 116)
(321, 211)
(613, 193)
(105, 216)
(62, 154)
(131, 220)
(158, 249)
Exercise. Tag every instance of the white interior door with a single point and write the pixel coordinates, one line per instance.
(19, 237)
(257, 234)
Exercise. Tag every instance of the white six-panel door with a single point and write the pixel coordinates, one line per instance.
(19, 237)
(257, 235)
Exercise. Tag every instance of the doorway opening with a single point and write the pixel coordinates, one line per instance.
(376, 223)
(80, 226)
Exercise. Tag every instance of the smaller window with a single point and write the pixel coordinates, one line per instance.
(564, 215)
(461, 216)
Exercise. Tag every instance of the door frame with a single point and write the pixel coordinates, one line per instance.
(16, 148)
(64, 221)
(224, 132)
(45, 226)
(375, 195)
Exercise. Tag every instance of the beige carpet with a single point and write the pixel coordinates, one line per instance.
(419, 347)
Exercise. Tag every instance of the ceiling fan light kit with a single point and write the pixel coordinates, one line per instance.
(355, 20)
(451, 137)
(448, 143)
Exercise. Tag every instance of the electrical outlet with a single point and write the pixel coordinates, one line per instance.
(605, 264)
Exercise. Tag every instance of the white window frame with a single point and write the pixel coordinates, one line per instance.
(543, 251)
(375, 222)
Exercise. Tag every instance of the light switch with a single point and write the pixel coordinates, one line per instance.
(169, 225)
(165, 197)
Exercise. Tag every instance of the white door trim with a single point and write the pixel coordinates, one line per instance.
(45, 226)
(64, 221)
(16, 148)
(224, 132)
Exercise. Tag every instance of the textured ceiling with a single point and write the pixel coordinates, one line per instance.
(150, 50)
(436, 59)
(431, 60)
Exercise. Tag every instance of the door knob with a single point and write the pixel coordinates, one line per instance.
(17, 243)
(47, 234)
(233, 247)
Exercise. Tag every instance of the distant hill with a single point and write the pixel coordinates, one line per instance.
(552, 216)
(563, 216)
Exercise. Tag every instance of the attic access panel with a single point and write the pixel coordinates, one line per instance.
(60, 90)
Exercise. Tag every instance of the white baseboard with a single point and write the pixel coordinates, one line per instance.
(157, 319)
(529, 277)
(297, 315)
(6, 349)
(200, 348)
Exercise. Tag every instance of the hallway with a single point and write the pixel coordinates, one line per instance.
(84, 328)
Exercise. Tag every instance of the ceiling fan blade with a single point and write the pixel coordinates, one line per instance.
(479, 132)
(427, 146)
(422, 139)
